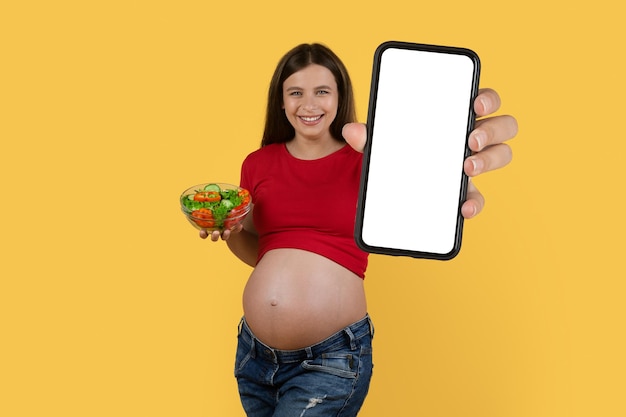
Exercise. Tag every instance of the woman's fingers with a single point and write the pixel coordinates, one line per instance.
(224, 235)
(474, 202)
(492, 131)
(487, 102)
(356, 135)
(489, 159)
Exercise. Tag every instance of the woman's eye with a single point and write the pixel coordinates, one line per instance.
(295, 93)
(322, 92)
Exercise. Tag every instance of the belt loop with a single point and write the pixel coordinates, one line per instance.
(351, 337)
(309, 352)
(369, 320)
(240, 326)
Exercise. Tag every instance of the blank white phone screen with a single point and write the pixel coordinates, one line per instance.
(418, 144)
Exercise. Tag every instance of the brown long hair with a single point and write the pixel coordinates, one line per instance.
(277, 127)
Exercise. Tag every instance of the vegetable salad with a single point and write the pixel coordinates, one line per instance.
(213, 207)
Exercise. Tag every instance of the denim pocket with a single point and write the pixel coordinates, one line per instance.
(344, 365)
(244, 353)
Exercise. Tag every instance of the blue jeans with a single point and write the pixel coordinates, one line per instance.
(330, 378)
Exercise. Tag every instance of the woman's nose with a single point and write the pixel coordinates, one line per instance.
(309, 102)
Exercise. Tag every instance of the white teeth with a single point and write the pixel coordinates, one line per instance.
(310, 119)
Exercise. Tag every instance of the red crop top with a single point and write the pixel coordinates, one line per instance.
(306, 204)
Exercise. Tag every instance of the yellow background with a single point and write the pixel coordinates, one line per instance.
(110, 305)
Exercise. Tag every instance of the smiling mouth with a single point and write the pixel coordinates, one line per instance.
(310, 119)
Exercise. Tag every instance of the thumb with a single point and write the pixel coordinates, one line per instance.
(356, 135)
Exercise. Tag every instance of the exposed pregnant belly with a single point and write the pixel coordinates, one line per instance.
(295, 298)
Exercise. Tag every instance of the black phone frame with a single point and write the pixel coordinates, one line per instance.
(367, 150)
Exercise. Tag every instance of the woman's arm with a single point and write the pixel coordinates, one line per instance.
(243, 240)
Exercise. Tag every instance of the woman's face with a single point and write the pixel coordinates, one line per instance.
(310, 100)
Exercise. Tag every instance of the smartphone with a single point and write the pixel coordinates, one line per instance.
(419, 119)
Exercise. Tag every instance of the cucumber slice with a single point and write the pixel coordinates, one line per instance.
(228, 204)
(212, 187)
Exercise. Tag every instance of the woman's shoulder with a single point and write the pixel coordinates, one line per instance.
(264, 153)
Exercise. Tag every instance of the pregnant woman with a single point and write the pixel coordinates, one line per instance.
(305, 342)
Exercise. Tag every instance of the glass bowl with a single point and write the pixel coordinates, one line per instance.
(215, 206)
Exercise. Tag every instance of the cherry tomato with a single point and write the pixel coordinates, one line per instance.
(234, 216)
(203, 217)
(210, 196)
(245, 196)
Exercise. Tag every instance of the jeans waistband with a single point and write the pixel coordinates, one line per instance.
(345, 337)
